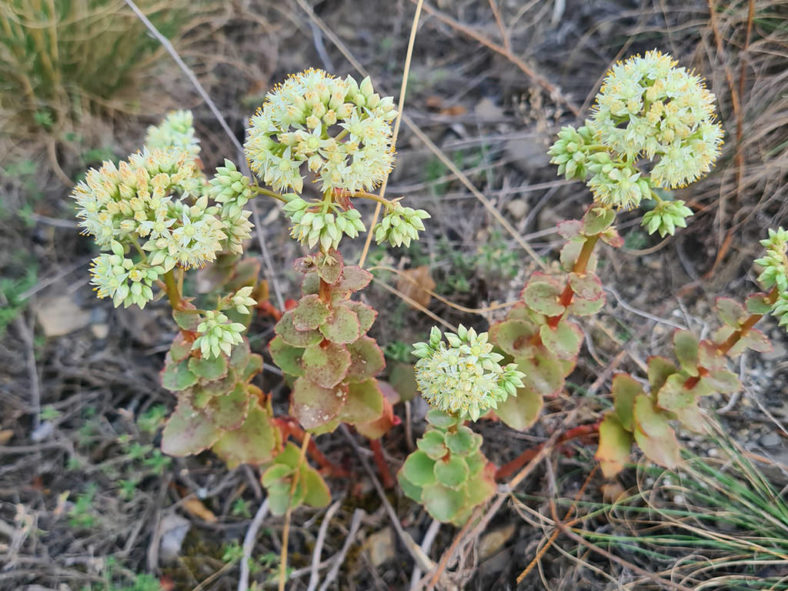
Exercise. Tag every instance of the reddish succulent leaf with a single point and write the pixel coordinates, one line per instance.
(185, 318)
(754, 339)
(310, 313)
(589, 297)
(364, 403)
(615, 442)
(366, 314)
(177, 376)
(520, 412)
(366, 359)
(209, 369)
(729, 311)
(514, 337)
(326, 364)
(625, 390)
(254, 365)
(541, 293)
(722, 381)
(311, 284)
(654, 434)
(569, 229)
(314, 406)
(381, 425)
(330, 269)
(402, 378)
(612, 237)
(342, 326)
(563, 341)
(180, 348)
(205, 391)
(597, 219)
(354, 278)
(294, 337)
(228, 411)
(286, 357)
(188, 431)
(255, 442)
(686, 348)
(544, 373)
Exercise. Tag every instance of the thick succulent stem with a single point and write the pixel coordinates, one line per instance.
(380, 461)
(171, 288)
(580, 266)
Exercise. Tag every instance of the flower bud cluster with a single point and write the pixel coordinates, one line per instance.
(648, 110)
(175, 132)
(666, 217)
(400, 225)
(775, 271)
(217, 334)
(336, 128)
(156, 205)
(464, 378)
(322, 223)
(242, 300)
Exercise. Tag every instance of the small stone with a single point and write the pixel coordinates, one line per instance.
(60, 316)
(494, 541)
(100, 331)
(517, 208)
(770, 440)
(380, 546)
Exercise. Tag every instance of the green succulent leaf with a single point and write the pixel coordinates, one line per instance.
(178, 376)
(442, 502)
(364, 402)
(514, 337)
(520, 412)
(180, 348)
(366, 314)
(729, 311)
(452, 471)
(433, 443)
(440, 419)
(686, 348)
(228, 411)
(354, 278)
(209, 369)
(419, 469)
(461, 442)
(286, 357)
(659, 369)
(563, 341)
(615, 442)
(625, 390)
(597, 220)
(654, 434)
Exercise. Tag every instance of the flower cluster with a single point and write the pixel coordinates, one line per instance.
(217, 334)
(321, 223)
(775, 271)
(666, 217)
(176, 133)
(154, 212)
(649, 111)
(464, 378)
(338, 129)
(400, 225)
(242, 300)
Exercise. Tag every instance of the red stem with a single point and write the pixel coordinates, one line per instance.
(580, 266)
(508, 469)
(383, 467)
(289, 428)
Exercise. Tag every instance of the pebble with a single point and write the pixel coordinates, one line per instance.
(770, 440)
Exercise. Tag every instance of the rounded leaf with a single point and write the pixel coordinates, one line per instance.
(286, 357)
(514, 336)
(313, 405)
(188, 431)
(342, 326)
(452, 471)
(520, 412)
(433, 444)
(364, 402)
(442, 502)
(542, 293)
(419, 469)
(461, 441)
(254, 442)
(292, 336)
(366, 359)
(310, 313)
(325, 363)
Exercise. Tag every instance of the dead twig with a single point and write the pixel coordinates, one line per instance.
(340, 558)
(248, 545)
(321, 538)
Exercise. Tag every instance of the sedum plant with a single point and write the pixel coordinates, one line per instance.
(461, 378)
(158, 215)
(652, 129)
